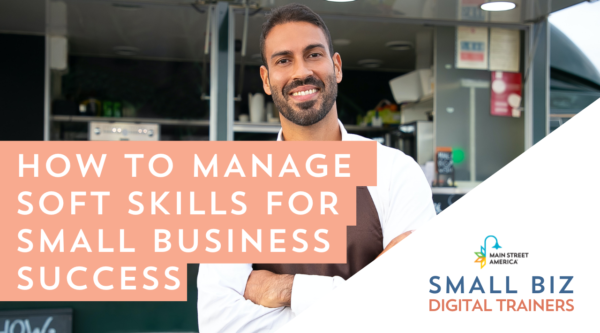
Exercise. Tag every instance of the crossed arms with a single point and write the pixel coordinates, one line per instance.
(233, 297)
(275, 290)
(236, 298)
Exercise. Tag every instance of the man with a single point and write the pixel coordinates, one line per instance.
(301, 72)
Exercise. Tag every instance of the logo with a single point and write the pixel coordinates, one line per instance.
(497, 257)
(482, 256)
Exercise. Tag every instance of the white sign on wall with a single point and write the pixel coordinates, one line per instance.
(472, 47)
(504, 50)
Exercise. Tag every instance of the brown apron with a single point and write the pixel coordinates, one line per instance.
(365, 243)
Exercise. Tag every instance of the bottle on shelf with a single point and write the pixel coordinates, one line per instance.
(128, 110)
(90, 107)
(107, 109)
(117, 111)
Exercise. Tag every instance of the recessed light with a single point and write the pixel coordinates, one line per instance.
(498, 6)
(370, 63)
(340, 0)
(126, 50)
(399, 45)
(341, 42)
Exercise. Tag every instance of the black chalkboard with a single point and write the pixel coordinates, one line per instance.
(445, 166)
(443, 201)
(36, 321)
(103, 317)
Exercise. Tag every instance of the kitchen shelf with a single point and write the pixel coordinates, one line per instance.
(161, 121)
(237, 126)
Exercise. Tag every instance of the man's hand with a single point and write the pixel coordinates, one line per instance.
(395, 241)
(269, 289)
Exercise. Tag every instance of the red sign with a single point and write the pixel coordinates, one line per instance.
(506, 94)
(472, 56)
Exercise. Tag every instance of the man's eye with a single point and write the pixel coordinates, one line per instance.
(313, 55)
(282, 61)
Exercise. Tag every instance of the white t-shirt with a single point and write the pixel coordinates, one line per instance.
(403, 201)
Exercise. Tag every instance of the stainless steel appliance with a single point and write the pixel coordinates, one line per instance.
(121, 131)
(416, 140)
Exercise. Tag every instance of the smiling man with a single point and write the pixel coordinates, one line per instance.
(301, 72)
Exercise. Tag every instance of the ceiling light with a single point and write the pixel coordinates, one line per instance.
(370, 63)
(399, 45)
(341, 42)
(498, 6)
(340, 0)
(126, 50)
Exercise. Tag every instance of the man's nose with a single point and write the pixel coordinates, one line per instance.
(301, 71)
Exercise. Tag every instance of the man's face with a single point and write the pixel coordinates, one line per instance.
(302, 76)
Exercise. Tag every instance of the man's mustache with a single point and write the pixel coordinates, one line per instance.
(310, 80)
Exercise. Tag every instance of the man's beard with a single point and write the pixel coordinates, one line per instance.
(306, 113)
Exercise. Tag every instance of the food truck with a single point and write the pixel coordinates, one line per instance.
(462, 86)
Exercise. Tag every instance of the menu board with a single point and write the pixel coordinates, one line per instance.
(445, 166)
(39, 321)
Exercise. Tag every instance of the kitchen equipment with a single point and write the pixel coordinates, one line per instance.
(413, 86)
(272, 114)
(416, 140)
(119, 131)
(257, 107)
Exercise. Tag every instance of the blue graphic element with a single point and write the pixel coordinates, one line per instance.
(471, 46)
(484, 247)
(482, 256)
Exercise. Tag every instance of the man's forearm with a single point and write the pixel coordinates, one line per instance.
(223, 285)
(269, 289)
(283, 285)
(275, 290)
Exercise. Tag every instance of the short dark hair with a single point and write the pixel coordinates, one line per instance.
(292, 12)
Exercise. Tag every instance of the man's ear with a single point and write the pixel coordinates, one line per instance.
(337, 66)
(264, 75)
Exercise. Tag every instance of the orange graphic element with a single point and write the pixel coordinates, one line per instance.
(127, 229)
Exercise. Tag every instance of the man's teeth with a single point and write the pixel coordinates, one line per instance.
(306, 92)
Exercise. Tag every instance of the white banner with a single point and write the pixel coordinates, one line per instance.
(516, 254)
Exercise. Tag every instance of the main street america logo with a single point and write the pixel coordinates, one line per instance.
(509, 258)
(482, 256)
